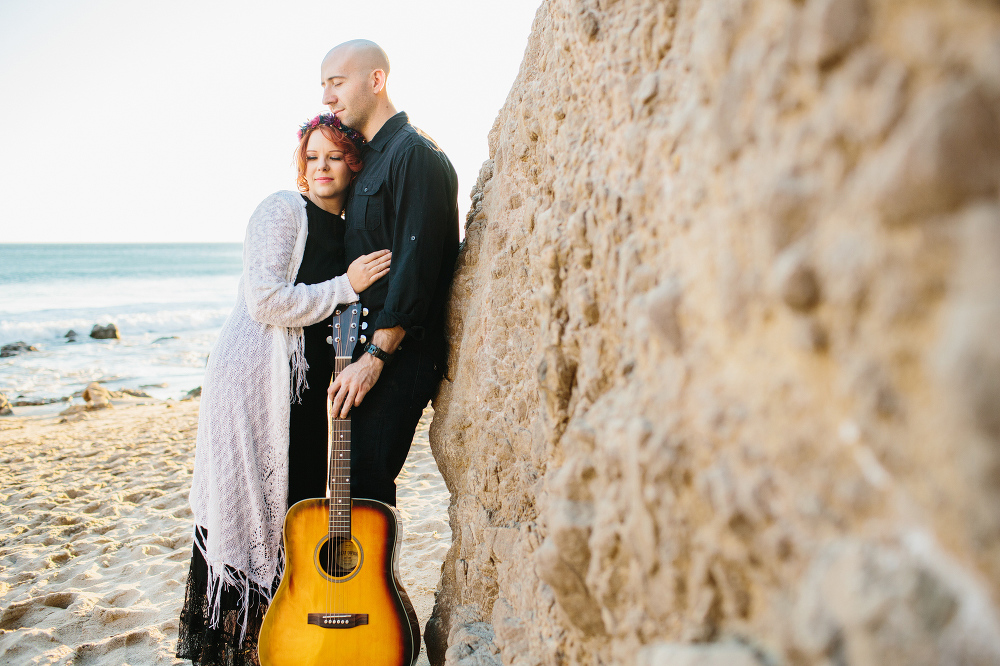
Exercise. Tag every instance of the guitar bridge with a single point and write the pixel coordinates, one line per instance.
(338, 620)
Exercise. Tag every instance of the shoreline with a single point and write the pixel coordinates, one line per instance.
(96, 509)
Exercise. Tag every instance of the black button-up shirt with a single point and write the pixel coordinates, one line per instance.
(406, 200)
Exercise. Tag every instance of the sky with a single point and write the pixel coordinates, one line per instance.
(139, 121)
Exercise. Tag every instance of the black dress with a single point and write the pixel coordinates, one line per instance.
(221, 646)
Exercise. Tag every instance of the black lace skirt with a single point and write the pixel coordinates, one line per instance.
(205, 645)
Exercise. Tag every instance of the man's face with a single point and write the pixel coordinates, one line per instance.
(346, 90)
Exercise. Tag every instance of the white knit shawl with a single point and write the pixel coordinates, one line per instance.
(240, 485)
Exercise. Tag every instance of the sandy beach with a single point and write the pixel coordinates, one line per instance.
(96, 532)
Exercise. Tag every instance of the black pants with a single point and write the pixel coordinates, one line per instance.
(382, 426)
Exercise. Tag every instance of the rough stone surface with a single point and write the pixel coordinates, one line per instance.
(725, 375)
(106, 332)
(670, 654)
(5, 408)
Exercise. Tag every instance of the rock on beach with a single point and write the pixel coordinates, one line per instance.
(96, 397)
(15, 348)
(724, 360)
(106, 332)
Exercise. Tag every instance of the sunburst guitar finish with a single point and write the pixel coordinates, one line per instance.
(364, 582)
(340, 602)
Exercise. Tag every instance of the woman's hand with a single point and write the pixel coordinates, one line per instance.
(367, 268)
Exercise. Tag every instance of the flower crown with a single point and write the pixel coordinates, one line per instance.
(331, 120)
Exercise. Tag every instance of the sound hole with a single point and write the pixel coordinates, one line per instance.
(341, 560)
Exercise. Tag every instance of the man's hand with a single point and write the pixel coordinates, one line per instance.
(353, 383)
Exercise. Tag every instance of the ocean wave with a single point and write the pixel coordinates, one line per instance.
(52, 326)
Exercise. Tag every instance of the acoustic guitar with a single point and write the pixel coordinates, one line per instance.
(340, 600)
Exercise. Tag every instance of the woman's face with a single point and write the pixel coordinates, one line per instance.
(327, 174)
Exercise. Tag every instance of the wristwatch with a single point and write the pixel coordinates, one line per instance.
(377, 352)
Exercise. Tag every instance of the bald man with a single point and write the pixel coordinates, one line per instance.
(406, 200)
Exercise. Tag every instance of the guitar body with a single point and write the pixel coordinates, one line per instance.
(360, 611)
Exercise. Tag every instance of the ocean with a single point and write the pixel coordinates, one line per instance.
(167, 300)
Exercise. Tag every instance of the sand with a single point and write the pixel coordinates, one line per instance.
(96, 532)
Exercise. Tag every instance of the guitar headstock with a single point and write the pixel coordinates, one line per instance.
(345, 329)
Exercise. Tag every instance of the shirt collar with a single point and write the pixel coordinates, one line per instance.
(388, 130)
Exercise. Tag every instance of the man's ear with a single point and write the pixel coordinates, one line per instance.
(378, 81)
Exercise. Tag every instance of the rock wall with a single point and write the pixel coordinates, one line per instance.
(725, 378)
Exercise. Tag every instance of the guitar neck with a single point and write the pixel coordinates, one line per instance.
(338, 477)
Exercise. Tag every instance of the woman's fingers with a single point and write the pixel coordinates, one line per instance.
(378, 267)
(370, 267)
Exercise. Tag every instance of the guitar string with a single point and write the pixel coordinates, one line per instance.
(338, 476)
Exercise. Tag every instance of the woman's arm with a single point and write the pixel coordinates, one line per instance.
(267, 252)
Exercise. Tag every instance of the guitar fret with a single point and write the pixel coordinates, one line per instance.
(339, 443)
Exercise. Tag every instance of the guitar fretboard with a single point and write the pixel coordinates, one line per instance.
(339, 471)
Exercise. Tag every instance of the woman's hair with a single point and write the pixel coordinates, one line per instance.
(352, 156)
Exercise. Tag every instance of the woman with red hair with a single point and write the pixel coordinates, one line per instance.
(262, 426)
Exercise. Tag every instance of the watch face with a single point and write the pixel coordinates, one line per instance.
(373, 349)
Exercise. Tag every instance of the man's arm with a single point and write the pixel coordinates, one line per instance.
(424, 195)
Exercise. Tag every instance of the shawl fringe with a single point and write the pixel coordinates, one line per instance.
(222, 578)
(297, 344)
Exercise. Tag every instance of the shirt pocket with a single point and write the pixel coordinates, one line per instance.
(370, 209)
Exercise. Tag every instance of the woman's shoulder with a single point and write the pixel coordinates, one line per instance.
(282, 202)
(284, 198)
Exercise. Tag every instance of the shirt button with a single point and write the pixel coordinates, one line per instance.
(364, 311)
(366, 189)
(329, 339)
(413, 238)
(364, 326)
(363, 339)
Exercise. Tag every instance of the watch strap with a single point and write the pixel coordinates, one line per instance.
(377, 352)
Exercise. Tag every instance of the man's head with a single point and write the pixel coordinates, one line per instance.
(353, 76)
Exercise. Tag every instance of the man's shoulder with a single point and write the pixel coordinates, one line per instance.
(410, 136)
